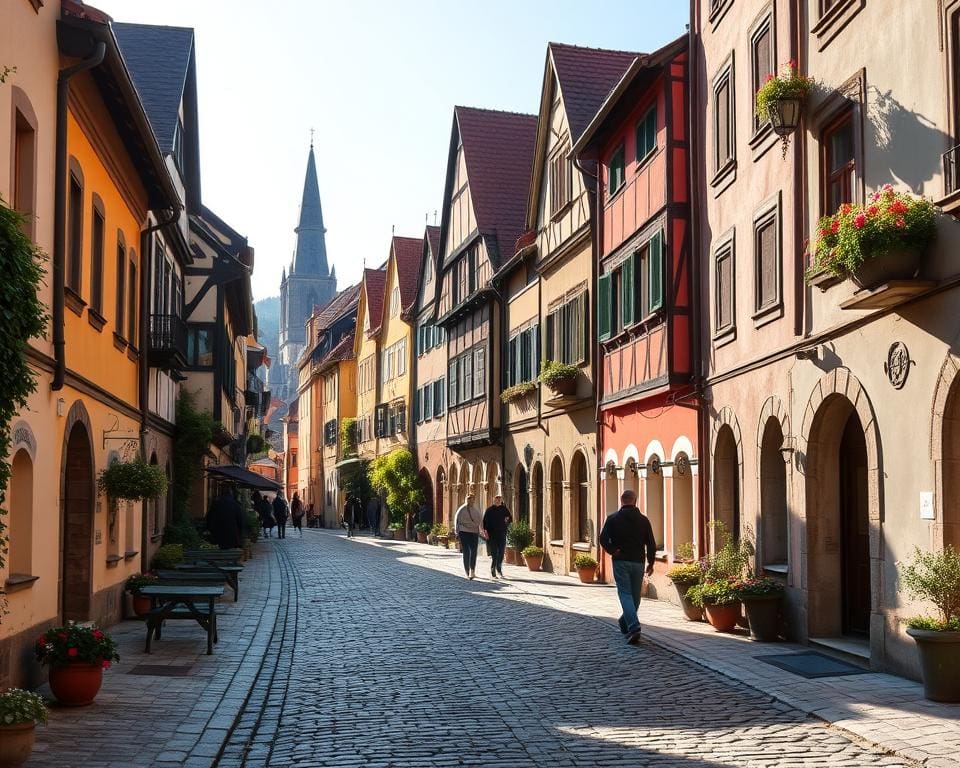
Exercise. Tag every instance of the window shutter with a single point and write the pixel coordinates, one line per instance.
(479, 372)
(767, 264)
(584, 336)
(627, 294)
(452, 378)
(438, 390)
(401, 418)
(551, 321)
(426, 403)
(378, 424)
(603, 308)
(535, 349)
(513, 372)
(724, 290)
(655, 261)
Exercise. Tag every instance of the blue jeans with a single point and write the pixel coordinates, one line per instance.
(629, 578)
(468, 545)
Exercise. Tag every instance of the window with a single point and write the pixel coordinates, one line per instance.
(381, 414)
(724, 138)
(453, 369)
(766, 248)
(633, 290)
(523, 363)
(616, 172)
(426, 407)
(762, 61)
(839, 163)
(121, 284)
(560, 180)
(199, 346)
(568, 331)
(74, 234)
(96, 256)
(132, 300)
(466, 376)
(724, 316)
(395, 302)
(479, 372)
(647, 134)
(24, 167)
(428, 269)
(438, 389)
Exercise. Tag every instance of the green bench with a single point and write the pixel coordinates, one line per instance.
(182, 601)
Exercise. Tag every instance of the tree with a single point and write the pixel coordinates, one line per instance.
(395, 476)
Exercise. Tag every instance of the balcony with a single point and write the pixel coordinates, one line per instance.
(951, 182)
(253, 391)
(167, 342)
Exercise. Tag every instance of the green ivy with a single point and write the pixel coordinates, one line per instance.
(348, 437)
(190, 444)
(132, 480)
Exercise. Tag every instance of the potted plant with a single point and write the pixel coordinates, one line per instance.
(20, 711)
(517, 391)
(684, 576)
(560, 377)
(780, 100)
(719, 600)
(761, 602)
(396, 531)
(441, 533)
(519, 537)
(873, 243)
(77, 655)
(132, 480)
(935, 577)
(533, 556)
(422, 530)
(167, 556)
(586, 567)
(136, 582)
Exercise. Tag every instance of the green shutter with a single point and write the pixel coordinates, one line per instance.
(603, 308)
(628, 311)
(656, 272)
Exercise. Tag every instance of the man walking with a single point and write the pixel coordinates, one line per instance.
(495, 522)
(373, 515)
(466, 524)
(626, 534)
(281, 510)
(225, 520)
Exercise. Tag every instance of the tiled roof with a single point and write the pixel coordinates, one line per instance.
(433, 237)
(338, 306)
(407, 252)
(375, 280)
(498, 149)
(586, 76)
(343, 351)
(158, 59)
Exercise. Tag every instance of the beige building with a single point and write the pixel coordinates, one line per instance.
(366, 353)
(830, 426)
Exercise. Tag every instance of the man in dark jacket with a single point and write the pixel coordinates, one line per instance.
(281, 511)
(626, 536)
(495, 522)
(225, 520)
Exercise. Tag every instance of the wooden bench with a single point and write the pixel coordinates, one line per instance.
(230, 573)
(214, 556)
(182, 601)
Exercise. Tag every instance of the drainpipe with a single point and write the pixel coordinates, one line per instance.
(60, 209)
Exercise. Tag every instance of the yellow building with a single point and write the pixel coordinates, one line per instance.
(366, 353)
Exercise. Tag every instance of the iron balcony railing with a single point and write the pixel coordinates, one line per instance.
(168, 341)
(951, 160)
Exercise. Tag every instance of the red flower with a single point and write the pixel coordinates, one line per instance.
(792, 64)
(62, 635)
(845, 208)
(859, 220)
(97, 634)
(72, 651)
(768, 78)
(898, 206)
(106, 664)
(42, 640)
(900, 222)
(835, 227)
(824, 233)
(872, 210)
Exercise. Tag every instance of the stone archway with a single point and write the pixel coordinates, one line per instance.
(556, 498)
(727, 476)
(426, 488)
(580, 496)
(440, 492)
(536, 492)
(78, 494)
(843, 542)
(945, 452)
(521, 501)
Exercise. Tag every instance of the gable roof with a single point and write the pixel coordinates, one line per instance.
(433, 240)
(407, 252)
(343, 351)
(498, 151)
(338, 306)
(374, 281)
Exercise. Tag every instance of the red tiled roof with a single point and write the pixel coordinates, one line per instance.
(498, 149)
(343, 351)
(433, 238)
(80, 10)
(586, 76)
(374, 279)
(407, 252)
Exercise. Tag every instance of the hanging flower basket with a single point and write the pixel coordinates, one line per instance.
(517, 391)
(780, 100)
(132, 480)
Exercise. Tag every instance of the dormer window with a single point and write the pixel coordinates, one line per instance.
(395, 302)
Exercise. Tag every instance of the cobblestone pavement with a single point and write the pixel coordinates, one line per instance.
(362, 653)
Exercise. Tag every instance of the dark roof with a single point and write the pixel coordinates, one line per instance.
(343, 351)
(498, 150)
(433, 238)
(338, 306)
(407, 252)
(310, 258)
(158, 59)
(231, 473)
(586, 76)
(374, 280)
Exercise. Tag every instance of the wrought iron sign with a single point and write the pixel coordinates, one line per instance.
(897, 365)
(654, 465)
(682, 464)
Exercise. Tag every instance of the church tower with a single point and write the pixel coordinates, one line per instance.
(308, 283)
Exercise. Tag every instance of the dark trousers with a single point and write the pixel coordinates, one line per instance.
(468, 545)
(498, 546)
(298, 524)
(349, 522)
(281, 529)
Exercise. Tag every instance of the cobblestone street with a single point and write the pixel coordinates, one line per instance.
(355, 653)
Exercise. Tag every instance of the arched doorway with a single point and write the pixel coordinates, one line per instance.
(838, 523)
(522, 497)
(654, 498)
(580, 494)
(682, 507)
(438, 516)
(556, 499)
(454, 490)
(426, 488)
(79, 496)
(950, 467)
(537, 521)
(773, 496)
(20, 498)
(726, 483)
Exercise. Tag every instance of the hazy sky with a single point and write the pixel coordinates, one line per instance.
(378, 82)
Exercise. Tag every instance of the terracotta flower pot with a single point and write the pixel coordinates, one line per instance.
(534, 562)
(141, 605)
(16, 743)
(691, 611)
(763, 615)
(511, 556)
(587, 575)
(723, 618)
(76, 684)
(564, 387)
(939, 663)
(421, 537)
(443, 540)
(900, 264)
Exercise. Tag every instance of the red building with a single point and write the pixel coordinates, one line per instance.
(646, 320)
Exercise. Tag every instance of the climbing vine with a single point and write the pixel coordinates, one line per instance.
(190, 442)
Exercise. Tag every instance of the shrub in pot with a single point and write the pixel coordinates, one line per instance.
(761, 601)
(519, 537)
(396, 531)
(517, 391)
(441, 533)
(533, 556)
(422, 530)
(684, 576)
(719, 600)
(77, 655)
(20, 711)
(559, 377)
(167, 556)
(134, 583)
(586, 567)
(935, 577)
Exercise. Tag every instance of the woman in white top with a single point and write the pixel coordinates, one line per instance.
(467, 524)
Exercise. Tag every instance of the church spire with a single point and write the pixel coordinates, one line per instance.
(310, 260)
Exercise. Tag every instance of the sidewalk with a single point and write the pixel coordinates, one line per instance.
(887, 711)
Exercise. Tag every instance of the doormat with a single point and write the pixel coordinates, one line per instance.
(160, 670)
(812, 665)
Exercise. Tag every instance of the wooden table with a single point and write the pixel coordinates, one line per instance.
(230, 572)
(176, 601)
